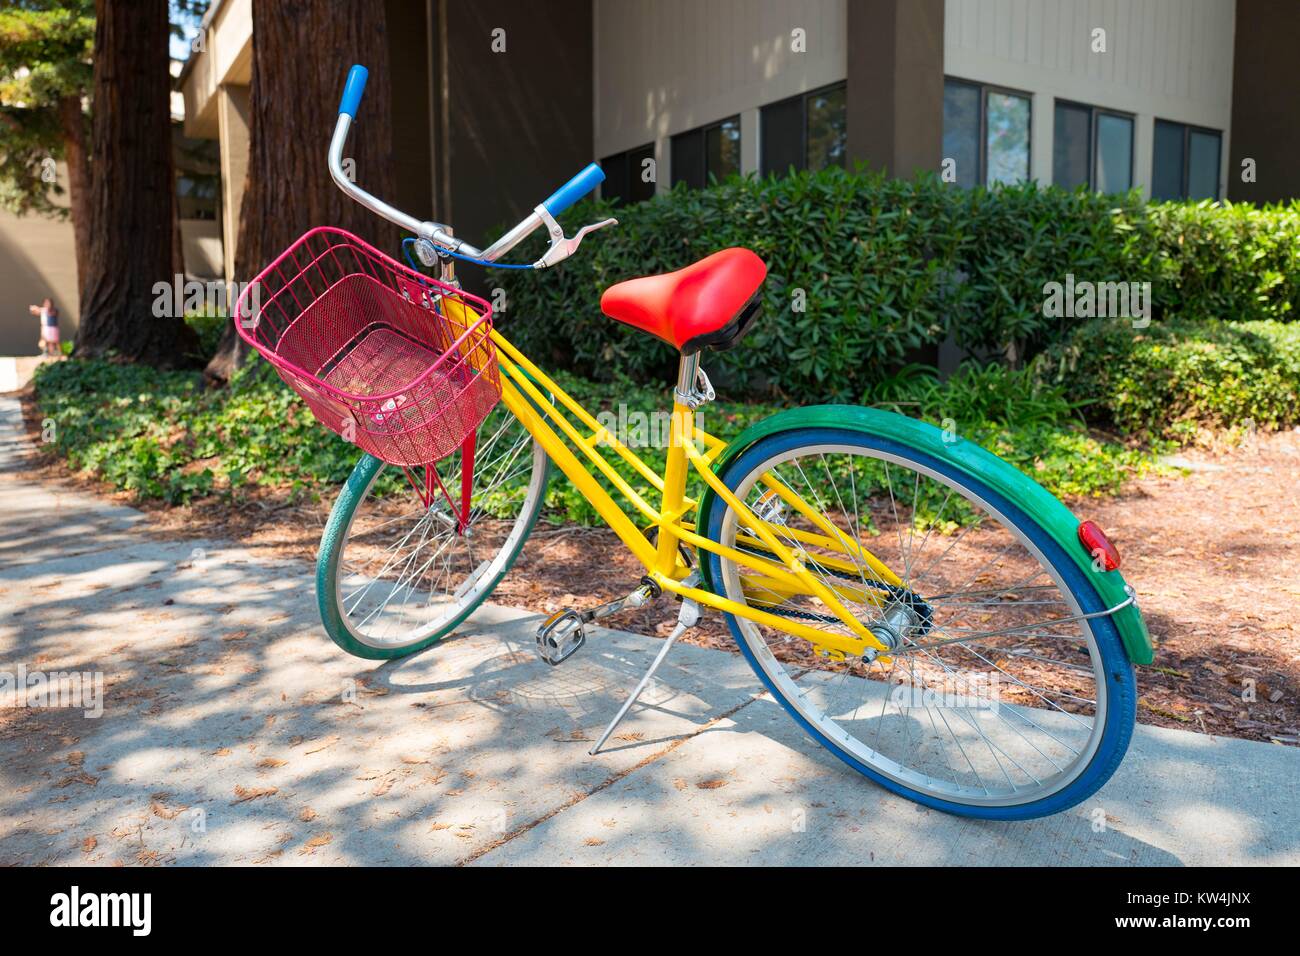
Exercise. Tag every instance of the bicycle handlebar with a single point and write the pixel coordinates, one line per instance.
(352, 90)
(560, 200)
(574, 189)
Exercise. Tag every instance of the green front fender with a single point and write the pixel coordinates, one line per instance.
(1054, 518)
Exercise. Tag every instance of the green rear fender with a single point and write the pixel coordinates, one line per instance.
(1050, 514)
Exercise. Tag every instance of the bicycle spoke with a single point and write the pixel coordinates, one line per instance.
(987, 679)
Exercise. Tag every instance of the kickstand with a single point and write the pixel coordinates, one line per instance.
(686, 619)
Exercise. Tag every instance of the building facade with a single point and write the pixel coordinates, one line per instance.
(496, 104)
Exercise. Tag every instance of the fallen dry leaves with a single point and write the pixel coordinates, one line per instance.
(316, 842)
(252, 793)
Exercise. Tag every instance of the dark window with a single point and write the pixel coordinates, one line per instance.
(615, 184)
(961, 130)
(781, 137)
(722, 148)
(986, 133)
(809, 131)
(1202, 164)
(1072, 146)
(1167, 166)
(196, 196)
(641, 174)
(828, 130)
(1092, 147)
(1186, 162)
(626, 175)
(708, 152)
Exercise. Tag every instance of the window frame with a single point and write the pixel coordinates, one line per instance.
(1188, 129)
(981, 176)
(802, 99)
(703, 133)
(1093, 142)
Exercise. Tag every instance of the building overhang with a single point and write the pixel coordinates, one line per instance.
(225, 58)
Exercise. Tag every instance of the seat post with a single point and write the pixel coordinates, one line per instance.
(687, 369)
(667, 558)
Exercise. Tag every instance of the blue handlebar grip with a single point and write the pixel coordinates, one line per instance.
(352, 90)
(574, 189)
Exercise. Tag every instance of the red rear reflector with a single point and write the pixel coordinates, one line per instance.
(1099, 546)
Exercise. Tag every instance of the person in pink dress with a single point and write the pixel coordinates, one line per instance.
(49, 315)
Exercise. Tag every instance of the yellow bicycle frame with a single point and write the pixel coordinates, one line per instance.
(541, 406)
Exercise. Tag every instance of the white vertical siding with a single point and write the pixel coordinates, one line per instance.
(667, 66)
(1166, 59)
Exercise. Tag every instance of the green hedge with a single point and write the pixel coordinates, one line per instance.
(162, 435)
(1174, 379)
(890, 267)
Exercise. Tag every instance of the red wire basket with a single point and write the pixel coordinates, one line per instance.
(396, 362)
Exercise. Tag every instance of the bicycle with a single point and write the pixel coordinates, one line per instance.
(924, 610)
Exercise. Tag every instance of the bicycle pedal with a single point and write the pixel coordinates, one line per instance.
(560, 636)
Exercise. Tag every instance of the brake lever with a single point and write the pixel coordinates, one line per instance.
(562, 247)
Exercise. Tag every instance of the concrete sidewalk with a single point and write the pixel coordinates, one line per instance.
(234, 731)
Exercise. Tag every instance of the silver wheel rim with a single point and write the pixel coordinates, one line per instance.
(1007, 781)
(425, 579)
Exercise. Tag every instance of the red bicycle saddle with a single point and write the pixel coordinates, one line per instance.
(709, 304)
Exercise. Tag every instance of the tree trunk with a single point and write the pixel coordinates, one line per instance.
(301, 55)
(133, 192)
(73, 123)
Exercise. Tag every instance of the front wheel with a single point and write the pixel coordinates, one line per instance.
(999, 700)
(396, 572)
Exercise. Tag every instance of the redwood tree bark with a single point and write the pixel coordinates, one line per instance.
(73, 123)
(133, 192)
(301, 54)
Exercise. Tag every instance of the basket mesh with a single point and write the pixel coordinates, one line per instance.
(398, 363)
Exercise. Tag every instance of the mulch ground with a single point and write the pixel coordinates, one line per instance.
(1214, 555)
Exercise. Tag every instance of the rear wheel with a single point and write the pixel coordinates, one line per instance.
(396, 574)
(999, 700)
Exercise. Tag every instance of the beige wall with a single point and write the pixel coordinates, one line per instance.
(668, 66)
(37, 258)
(201, 240)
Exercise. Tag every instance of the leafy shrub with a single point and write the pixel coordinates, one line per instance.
(977, 394)
(209, 326)
(865, 271)
(162, 435)
(1174, 378)
(1233, 262)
